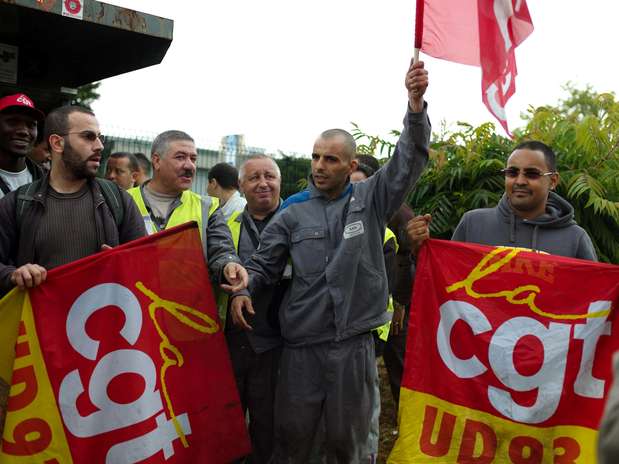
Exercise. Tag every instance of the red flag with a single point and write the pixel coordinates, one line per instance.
(120, 358)
(508, 357)
(480, 33)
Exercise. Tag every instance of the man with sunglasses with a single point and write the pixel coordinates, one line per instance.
(64, 216)
(529, 215)
(19, 125)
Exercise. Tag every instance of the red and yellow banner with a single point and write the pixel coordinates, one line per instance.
(508, 358)
(120, 358)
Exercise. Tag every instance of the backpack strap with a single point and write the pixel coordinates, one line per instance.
(24, 196)
(111, 194)
(113, 198)
(5, 188)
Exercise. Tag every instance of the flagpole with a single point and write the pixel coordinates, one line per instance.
(418, 28)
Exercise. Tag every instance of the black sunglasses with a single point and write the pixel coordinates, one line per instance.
(89, 135)
(529, 173)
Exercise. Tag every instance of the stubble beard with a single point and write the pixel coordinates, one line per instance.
(75, 164)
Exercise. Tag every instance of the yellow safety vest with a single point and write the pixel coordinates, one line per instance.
(190, 209)
(235, 228)
(222, 297)
(383, 330)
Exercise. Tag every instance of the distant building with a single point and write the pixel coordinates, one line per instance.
(232, 150)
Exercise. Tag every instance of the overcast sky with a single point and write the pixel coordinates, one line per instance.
(281, 71)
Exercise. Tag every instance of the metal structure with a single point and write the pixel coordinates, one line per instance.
(50, 47)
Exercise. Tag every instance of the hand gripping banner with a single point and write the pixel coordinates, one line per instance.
(508, 357)
(120, 358)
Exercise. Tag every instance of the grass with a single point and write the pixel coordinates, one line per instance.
(388, 415)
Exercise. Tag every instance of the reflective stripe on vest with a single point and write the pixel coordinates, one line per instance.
(235, 228)
(190, 209)
(234, 224)
(383, 330)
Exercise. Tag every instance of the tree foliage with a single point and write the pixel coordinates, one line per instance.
(294, 174)
(87, 95)
(463, 171)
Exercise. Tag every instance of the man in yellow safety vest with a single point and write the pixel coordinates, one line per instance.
(166, 201)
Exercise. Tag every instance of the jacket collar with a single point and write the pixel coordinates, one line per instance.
(315, 193)
(41, 193)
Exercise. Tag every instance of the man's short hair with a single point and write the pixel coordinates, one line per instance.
(133, 161)
(161, 144)
(258, 157)
(226, 176)
(144, 162)
(349, 140)
(367, 164)
(57, 121)
(536, 145)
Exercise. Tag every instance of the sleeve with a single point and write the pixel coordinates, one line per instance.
(389, 255)
(403, 282)
(219, 246)
(586, 250)
(268, 262)
(459, 234)
(395, 179)
(8, 241)
(132, 226)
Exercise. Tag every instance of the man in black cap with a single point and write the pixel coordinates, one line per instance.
(19, 122)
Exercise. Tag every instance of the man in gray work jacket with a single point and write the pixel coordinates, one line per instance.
(333, 235)
(255, 354)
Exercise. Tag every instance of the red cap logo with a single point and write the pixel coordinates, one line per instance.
(25, 100)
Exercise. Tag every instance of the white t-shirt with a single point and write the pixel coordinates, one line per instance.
(235, 203)
(15, 179)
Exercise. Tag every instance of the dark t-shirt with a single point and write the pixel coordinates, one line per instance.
(68, 229)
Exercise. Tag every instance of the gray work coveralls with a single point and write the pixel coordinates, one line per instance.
(337, 296)
(255, 354)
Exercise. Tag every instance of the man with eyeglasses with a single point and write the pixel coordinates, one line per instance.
(19, 125)
(529, 215)
(67, 215)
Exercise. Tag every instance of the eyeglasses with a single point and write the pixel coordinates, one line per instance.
(529, 173)
(89, 135)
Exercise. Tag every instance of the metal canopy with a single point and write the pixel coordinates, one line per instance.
(56, 51)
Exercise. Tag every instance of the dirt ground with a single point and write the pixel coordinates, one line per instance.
(387, 415)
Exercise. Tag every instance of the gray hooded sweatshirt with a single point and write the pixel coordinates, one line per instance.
(554, 232)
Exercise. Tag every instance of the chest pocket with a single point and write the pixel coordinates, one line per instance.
(355, 229)
(309, 250)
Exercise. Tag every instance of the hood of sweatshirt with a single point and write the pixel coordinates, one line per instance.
(559, 214)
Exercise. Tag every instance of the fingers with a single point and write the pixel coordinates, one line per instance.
(237, 278)
(105, 247)
(230, 272)
(398, 318)
(395, 326)
(235, 287)
(236, 308)
(416, 82)
(418, 230)
(419, 227)
(419, 65)
(29, 276)
(227, 288)
(244, 277)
